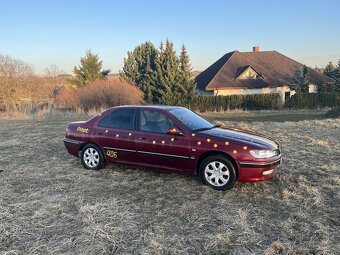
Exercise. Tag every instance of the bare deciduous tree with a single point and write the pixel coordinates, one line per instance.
(15, 81)
(53, 71)
(56, 83)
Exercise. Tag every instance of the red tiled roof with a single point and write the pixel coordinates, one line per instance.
(276, 70)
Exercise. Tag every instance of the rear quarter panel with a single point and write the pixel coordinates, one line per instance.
(77, 134)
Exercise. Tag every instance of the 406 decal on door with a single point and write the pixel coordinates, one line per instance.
(112, 154)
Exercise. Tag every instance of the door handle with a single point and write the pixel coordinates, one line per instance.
(142, 138)
(100, 132)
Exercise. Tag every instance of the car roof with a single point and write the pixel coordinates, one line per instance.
(162, 107)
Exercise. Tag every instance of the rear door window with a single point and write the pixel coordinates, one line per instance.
(119, 119)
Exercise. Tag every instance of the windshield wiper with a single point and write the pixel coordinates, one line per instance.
(207, 128)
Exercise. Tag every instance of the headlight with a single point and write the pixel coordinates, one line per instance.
(263, 153)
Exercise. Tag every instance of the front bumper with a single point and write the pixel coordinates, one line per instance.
(258, 171)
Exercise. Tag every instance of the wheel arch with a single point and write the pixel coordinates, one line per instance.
(211, 153)
(89, 142)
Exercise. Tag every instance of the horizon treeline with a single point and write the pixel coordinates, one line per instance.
(152, 75)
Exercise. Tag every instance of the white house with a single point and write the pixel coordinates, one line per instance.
(255, 72)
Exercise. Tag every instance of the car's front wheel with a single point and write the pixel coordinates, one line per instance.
(92, 157)
(218, 172)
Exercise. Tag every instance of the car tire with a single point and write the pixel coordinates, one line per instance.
(218, 172)
(92, 157)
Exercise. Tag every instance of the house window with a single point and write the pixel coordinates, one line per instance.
(247, 72)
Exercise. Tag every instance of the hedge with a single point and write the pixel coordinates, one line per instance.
(314, 100)
(333, 113)
(241, 102)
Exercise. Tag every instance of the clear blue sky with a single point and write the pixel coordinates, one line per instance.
(44, 32)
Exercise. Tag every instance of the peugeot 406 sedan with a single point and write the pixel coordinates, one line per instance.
(172, 138)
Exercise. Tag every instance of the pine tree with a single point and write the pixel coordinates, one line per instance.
(300, 80)
(139, 69)
(187, 86)
(158, 92)
(168, 74)
(164, 77)
(336, 86)
(334, 73)
(89, 70)
(305, 80)
(329, 70)
(148, 82)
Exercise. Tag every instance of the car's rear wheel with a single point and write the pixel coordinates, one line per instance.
(218, 172)
(92, 157)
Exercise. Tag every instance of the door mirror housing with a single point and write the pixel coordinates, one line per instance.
(174, 131)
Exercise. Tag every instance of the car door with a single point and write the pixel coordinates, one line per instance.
(156, 147)
(116, 135)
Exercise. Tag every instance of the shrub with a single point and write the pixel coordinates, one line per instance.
(99, 95)
(334, 113)
(29, 94)
(314, 100)
(243, 102)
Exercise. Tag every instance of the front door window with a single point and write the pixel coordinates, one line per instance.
(155, 121)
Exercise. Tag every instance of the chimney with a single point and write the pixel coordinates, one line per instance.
(256, 48)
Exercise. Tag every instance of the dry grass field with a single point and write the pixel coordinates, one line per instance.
(50, 205)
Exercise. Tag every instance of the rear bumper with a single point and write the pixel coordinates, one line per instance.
(73, 146)
(258, 171)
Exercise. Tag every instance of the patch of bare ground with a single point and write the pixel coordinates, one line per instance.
(50, 205)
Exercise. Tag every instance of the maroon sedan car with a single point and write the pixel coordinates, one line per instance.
(172, 138)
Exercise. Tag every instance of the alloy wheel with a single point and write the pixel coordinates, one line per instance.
(91, 157)
(217, 173)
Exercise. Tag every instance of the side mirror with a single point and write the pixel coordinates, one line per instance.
(174, 131)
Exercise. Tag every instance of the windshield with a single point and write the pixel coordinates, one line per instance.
(190, 119)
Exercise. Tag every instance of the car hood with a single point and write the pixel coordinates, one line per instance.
(241, 136)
